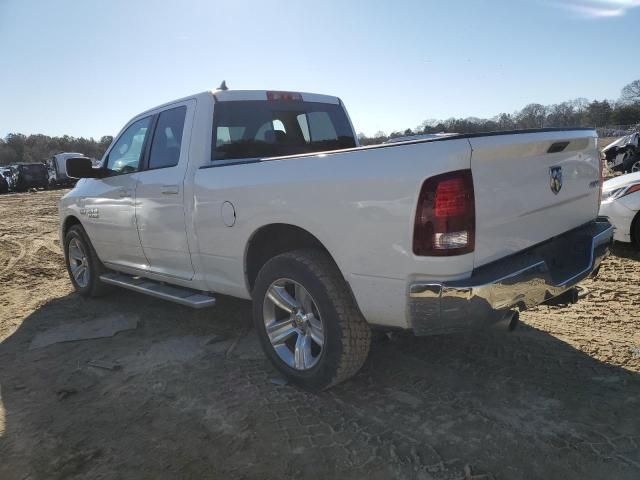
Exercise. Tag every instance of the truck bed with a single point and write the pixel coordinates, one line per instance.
(360, 203)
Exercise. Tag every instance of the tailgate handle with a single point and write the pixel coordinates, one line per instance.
(558, 147)
(170, 189)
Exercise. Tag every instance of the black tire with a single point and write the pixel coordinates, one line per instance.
(347, 334)
(94, 287)
(635, 232)
(630, 159)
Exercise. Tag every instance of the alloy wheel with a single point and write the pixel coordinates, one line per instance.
(293, 324)
(78, 263)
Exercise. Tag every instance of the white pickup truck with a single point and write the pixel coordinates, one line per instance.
(267, 196)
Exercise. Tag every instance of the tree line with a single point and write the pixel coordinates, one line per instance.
(16, 147)
(572, 113)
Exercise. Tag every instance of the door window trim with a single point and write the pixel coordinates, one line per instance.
(144, 161)
(154, 124)
(143, 165)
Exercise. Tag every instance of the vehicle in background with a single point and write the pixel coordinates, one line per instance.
(421, 136)
(10, 175)
(31, 175)
(4, 186)
(623, 155)
(266, 196)
(52, 177)
(57, 166)
(621, 205)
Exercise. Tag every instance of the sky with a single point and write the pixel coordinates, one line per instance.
(85, 67)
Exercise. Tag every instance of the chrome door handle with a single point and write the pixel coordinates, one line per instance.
(170, 189)
(123, 192)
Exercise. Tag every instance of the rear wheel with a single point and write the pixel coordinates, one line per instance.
(83, 264)
(307, 320)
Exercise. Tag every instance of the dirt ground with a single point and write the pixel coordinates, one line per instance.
(194, 397)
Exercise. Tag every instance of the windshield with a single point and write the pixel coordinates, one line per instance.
(250, 129)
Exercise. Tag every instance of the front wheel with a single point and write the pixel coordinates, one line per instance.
(307, 320)
(83, 264)
(635, 232)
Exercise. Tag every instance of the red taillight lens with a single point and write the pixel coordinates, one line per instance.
(450, 198)
(445, 221)
(286, 96)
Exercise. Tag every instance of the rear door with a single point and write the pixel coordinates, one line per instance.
(530, 187)
(160, 209)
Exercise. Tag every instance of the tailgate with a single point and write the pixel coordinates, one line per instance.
(530, 187)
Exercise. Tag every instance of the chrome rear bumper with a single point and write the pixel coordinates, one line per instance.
(520, 281)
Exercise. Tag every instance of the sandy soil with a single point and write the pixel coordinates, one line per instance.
(194, 397)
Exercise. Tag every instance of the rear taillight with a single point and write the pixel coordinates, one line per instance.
(286, 96)
(445, 218)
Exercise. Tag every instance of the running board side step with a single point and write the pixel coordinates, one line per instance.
(183, 296)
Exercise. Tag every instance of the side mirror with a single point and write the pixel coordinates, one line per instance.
(82, 167)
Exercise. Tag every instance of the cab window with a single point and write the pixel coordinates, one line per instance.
(261, 129)
(167, 138)
(125, 155)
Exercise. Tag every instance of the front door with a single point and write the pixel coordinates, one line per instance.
(160, 195)
(109, 213)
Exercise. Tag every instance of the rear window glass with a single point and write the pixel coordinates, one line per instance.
(258, 129)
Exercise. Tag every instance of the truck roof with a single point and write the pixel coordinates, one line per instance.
(245, 95)
(67, 153)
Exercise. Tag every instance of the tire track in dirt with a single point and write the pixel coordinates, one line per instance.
(548, 401)
(8, 256)
(30, 256)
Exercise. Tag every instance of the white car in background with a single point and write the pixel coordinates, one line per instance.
(621, 204)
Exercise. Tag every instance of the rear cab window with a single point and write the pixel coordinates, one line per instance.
(250, 129)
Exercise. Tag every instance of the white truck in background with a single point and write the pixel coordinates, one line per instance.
(267, 196)
(57, 167)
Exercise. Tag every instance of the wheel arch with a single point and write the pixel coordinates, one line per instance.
(69, 222)
(274, 239)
